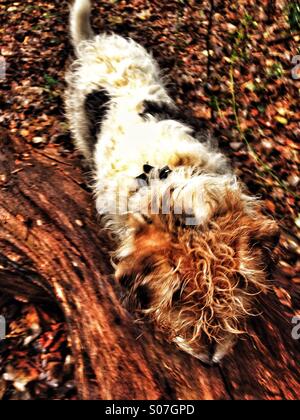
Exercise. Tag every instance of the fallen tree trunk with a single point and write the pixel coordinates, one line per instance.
(52, 248)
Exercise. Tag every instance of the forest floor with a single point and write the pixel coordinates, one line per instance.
(230, 63)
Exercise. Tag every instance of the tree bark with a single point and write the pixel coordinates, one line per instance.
(51, 247)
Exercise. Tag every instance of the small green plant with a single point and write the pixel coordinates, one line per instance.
(50, 85)
(294, 15)
(276, 71)
(48, 15)
(50, 81)
(241, 37)
(31, 7)
(264, 168)
(261, 108)
(248, 21)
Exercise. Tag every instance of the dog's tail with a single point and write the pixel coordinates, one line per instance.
(80, 25)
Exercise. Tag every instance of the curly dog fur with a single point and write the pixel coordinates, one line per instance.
(193, 248)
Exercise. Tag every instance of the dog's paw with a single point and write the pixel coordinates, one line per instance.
(209, 355)
(222, 349)
(203, 354)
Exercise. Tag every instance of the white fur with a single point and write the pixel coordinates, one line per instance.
(127, 141)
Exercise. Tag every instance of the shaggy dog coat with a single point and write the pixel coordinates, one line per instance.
(193, 248)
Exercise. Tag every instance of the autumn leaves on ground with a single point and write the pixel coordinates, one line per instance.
(228, 62)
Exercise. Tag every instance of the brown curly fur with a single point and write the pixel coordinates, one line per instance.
(199, 283)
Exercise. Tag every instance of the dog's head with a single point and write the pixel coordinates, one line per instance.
(198, 283)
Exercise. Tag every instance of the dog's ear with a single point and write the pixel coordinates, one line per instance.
(266, 234)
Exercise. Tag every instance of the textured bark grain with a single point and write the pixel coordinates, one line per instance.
(51, 247)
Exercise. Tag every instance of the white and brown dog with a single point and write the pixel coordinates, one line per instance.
(193, 247)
